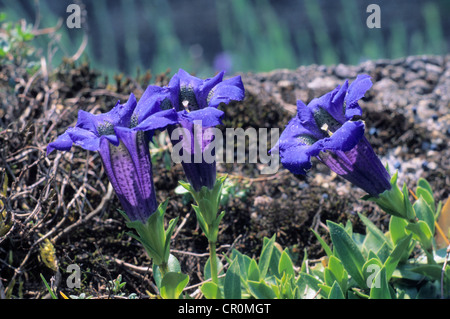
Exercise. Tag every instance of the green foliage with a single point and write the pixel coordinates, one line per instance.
(15, 47)
(380, 266)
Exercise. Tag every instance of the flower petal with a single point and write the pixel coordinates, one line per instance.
(158, 121)
(84, 138)
(345, 138)
(355, 92)
(296, 159)
(307, 123)
(208, 116)
(130, 172)
(152, 100)
(201, 88)
(62, 143)
(226, 91)
(361, 166)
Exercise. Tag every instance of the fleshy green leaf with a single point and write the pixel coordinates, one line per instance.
(338, 271)
(172, 285)
(421, 232)
(173, 265)
(370, 270)
(380, 286)
(374, 230)
(266, 254)
(253, 271)
(383, 253)
(391, 263)
(409, 211)
(324, 290)
(397, 228)
(285, 264)
(244, 263)
(424, 212)
(260, 290)
(427, 196)
(347, 251)
(336, 292)
(423, 183)
(210, 290)
(232, 283)
(324, 245)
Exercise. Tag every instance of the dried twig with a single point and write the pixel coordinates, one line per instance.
(97, 210)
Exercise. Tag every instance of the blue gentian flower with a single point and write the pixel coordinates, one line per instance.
(121, 136)
(330, 128)
(196, 101)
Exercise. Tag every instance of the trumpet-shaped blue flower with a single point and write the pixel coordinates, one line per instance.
(196, 102)
(121, 136)
(330, 129)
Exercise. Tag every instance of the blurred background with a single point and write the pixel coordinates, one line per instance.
(203, 36)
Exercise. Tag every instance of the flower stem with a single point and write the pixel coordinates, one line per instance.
(213, 262)
(163, 268)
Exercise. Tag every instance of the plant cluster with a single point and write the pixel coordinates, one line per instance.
(404, 262)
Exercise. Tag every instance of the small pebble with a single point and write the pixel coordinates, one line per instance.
(425, 146)
(373, 131)
(432, 165)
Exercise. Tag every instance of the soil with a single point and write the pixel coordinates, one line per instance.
(64, 197)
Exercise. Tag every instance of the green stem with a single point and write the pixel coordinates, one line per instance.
(163, 268)
(213, 262)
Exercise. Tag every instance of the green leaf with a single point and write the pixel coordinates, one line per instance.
(347, 251)
(427, 196)
(210, 290)
(244, 263)
(409, 211)
(370, 269)
(383, 253)
(168, 235)
(336, 292)
(172, 285)
(431, 271)
(329, 277)
(423, 183)
(52, 294)
(232, 283)
(312, 282)
(253, 271)
(397, 228)
(421, 232)
(424, 212)
(380, 286)
(260, 290)
(201, 220)
(375, 231)
(397, 254)
(274, 262)
(266, 254)
(285, 264)
(325, 290)
(173, 265)
(322, 242)
(338, 271)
